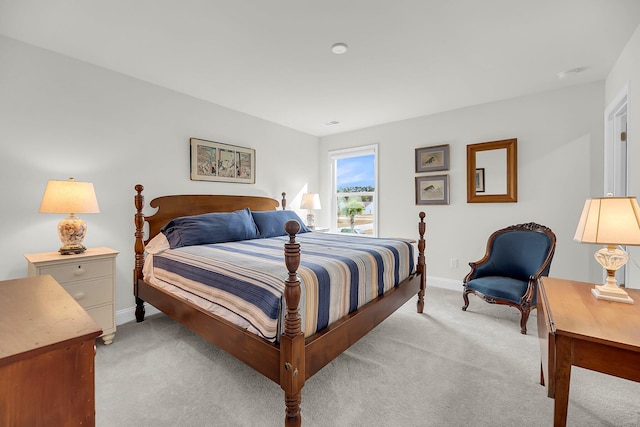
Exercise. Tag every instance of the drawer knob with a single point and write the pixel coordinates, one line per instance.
(79, 271)
(78, 296)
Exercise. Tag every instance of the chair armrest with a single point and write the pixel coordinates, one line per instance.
(533, 279)
(480, 269)
(531, 288)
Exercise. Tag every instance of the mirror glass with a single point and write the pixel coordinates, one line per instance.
(492, 172)
(491, 165)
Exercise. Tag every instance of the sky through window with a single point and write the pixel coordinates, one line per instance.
(356, 171)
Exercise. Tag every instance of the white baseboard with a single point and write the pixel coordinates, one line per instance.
(129, 314)
(441, 282)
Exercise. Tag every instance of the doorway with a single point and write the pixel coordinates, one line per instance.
(615, 155)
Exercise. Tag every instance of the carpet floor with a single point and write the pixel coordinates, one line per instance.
(444, 367)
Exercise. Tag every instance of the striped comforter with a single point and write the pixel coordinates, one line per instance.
(338, 273)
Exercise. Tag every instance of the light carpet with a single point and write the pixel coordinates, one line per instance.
(444, 367)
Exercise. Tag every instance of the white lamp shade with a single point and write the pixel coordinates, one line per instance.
(69, 197)
(610, 221)
(310, 201)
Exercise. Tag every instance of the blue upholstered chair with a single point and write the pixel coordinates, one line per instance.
(516, 257)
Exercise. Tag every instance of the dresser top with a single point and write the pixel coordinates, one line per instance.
(56, 256)
(37, 315)
(574, 312)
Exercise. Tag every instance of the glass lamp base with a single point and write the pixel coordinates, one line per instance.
(71, 232)
(311, 220)
(611, 259)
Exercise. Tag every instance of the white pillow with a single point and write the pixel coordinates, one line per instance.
(158, 244)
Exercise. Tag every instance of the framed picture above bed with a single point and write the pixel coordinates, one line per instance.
(430, 159)
(432, 190)
(214, 161)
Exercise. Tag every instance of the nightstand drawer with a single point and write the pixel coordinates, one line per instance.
(92, 292)
(81, 270)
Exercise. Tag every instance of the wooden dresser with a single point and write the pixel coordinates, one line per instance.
(47, 352)
(88, 277)
(576, 329)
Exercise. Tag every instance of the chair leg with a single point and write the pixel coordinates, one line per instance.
(465, 297)
(523, 320)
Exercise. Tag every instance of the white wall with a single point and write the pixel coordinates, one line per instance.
(60, 117)
(559, 154)
(627, 71)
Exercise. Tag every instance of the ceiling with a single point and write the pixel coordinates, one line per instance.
(272, 58)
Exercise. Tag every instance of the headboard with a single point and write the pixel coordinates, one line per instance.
(170, 207)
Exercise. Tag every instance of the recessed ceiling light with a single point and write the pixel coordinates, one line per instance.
(331, 123)
(339, 48)
(570, 73)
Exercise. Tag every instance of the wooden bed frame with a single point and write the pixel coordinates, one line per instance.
(294, 359)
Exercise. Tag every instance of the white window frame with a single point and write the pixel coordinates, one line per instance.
(334, 155)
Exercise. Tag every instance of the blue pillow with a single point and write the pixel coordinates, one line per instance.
(271, 223)
(209, 228)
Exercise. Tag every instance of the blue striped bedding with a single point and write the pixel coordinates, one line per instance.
(338, 274)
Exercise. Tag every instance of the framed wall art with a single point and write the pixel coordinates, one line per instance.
(432, 190)
(430, 159)
(214, 161)
(479, 180)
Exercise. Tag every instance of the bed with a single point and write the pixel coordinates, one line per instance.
(294, 351)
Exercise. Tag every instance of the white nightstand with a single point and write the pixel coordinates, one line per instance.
(88, 277)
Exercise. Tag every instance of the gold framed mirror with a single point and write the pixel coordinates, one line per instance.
(492, 172)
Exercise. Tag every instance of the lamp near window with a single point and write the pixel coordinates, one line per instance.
(310, 201)
(610, 221)
(70, 197)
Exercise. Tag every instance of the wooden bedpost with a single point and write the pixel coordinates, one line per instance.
(292, 357)
(284, 201)
(139, 250)
(421, 267)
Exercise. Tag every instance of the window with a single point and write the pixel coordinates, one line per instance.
(354, 174)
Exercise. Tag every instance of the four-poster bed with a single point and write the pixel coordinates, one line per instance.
(292, 357)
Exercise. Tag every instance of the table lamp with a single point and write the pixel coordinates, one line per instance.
(70, 197)
(310, 201)
(610, 221)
